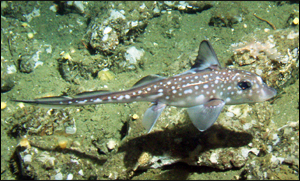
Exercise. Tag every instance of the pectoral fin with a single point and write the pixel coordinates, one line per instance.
(203, 116)
(151, 115)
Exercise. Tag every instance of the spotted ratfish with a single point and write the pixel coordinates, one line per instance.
(203, 90)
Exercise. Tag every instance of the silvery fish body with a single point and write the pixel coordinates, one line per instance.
(203, 90)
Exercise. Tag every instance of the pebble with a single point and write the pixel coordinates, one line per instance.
(111, 144)
(58, 176)
(70, 130)
(27, 158)
(135, 116)
(70, 176)
(3, 105)
(80, 172)
(296, 21)
(30, 35)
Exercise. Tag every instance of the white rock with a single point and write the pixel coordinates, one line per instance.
(275, 159)
(70, 176)
(58, 176)
(143, 6)
(255, 151)
(235, 110)
(275, 138)
(156, 11)
(107, 30)
(132, 55)
(116, 15)
(38, 63)
(79, 5)
(111, 144)
(214, 158)
(245, 151)
(27, 158)
(53, 8)
(105, 37)
(80, 172)
(247, 126)
(11, 69)
(70, 130)
(134, 23)
(229, 114)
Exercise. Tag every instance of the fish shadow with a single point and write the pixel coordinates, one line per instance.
(180, 142)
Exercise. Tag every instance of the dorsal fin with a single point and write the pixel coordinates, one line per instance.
(148, 79)
(206, 56)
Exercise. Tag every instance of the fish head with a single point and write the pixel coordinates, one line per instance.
(250, 88)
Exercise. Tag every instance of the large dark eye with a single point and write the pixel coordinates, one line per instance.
(244, 85)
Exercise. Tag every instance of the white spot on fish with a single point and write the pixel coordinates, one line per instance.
(205, 86)
(99, 100)
(200, 98)
(187, 91)
(120, 98)
(148, 89)
(127, 96)
(160, 90)
(84, 101)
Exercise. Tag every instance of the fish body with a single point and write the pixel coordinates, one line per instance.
(203, 90)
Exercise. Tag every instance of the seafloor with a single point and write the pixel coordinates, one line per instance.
(65, 48)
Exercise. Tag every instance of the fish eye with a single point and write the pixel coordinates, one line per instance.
(244, 85)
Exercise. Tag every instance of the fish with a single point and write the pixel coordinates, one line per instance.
(204, 90)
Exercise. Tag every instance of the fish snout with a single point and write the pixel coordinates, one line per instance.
(267, 93)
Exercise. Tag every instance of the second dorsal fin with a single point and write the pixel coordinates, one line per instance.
(148, 79)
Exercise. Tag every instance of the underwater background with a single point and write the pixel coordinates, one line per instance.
(68, 47)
